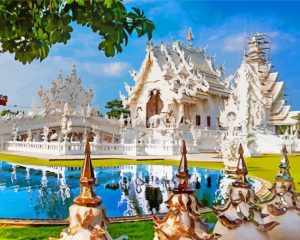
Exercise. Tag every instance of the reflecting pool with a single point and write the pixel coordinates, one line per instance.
(39, 192)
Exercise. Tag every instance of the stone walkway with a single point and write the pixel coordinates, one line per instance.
(203, 157)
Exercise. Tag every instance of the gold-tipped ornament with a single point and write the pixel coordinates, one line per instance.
(87, 196)
(88, 220)
(240, 217)
(283, 205)
(182, 222)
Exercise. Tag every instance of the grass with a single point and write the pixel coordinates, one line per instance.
(103, 162)
(134, 230)
(265, 167)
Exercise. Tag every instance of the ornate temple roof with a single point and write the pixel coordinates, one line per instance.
(257, 89)
(263, 79)
(68, 91)
(187, 70)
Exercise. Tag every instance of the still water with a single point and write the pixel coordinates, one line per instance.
(38, 192)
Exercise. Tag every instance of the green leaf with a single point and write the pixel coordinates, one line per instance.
(30, 28)
(108, 3)
(80, 2)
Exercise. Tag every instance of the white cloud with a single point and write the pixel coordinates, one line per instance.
(22, 82)
(114, 69)
(235, 42)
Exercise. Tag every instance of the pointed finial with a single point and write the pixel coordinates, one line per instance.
(241, 151)
(87, 149)
(73, 72)
(183, 172)
(284, 166)
(190, 37)
(241, 167)
(241, 170)
(183, 162)
(59, 74)
(284, 150)
(87, 196)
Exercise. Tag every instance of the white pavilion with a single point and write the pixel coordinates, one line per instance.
(178, 93)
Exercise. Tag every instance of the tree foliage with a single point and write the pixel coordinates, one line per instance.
(7, 112)
(116, 109)
(29, 28)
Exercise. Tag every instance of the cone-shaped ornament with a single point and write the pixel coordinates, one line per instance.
(183, 172)
(240, 217)
(283, 205)
(284, 166)
(241, 171)
(87, 196)
(182, 221)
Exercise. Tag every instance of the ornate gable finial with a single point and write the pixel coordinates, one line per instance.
(183, 172)
(59, 76)
(190, 37)
(73, 73)
(87, 196)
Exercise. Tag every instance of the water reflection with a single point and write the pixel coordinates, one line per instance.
(47, 192)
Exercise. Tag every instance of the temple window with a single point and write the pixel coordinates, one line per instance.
(198, 120)
(208, 121)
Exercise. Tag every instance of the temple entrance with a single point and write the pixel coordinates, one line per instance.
(154, 105)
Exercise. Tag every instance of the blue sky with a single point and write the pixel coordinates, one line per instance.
(222, 26)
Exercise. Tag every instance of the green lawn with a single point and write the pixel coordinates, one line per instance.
(134, 230)
(102, 162)
(265, 167)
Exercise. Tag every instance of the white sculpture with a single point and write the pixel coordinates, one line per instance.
(29, 135)
(45, 134)
(14, 133)
(66, 127)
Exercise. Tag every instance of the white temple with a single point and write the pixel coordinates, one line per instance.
(178, 93)
(256, 108)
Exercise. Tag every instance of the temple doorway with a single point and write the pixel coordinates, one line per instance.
(154, 105)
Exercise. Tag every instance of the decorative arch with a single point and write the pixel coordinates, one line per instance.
(154, 104)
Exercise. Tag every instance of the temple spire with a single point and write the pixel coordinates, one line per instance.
(73, 72)
(241, 170)
(87, 196)
(284, 166)
(190, 37)
(183, 172)
(59, 76)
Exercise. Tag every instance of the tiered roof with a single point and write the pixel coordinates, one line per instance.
(187, 70)
(65, 91)
(265, 82)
